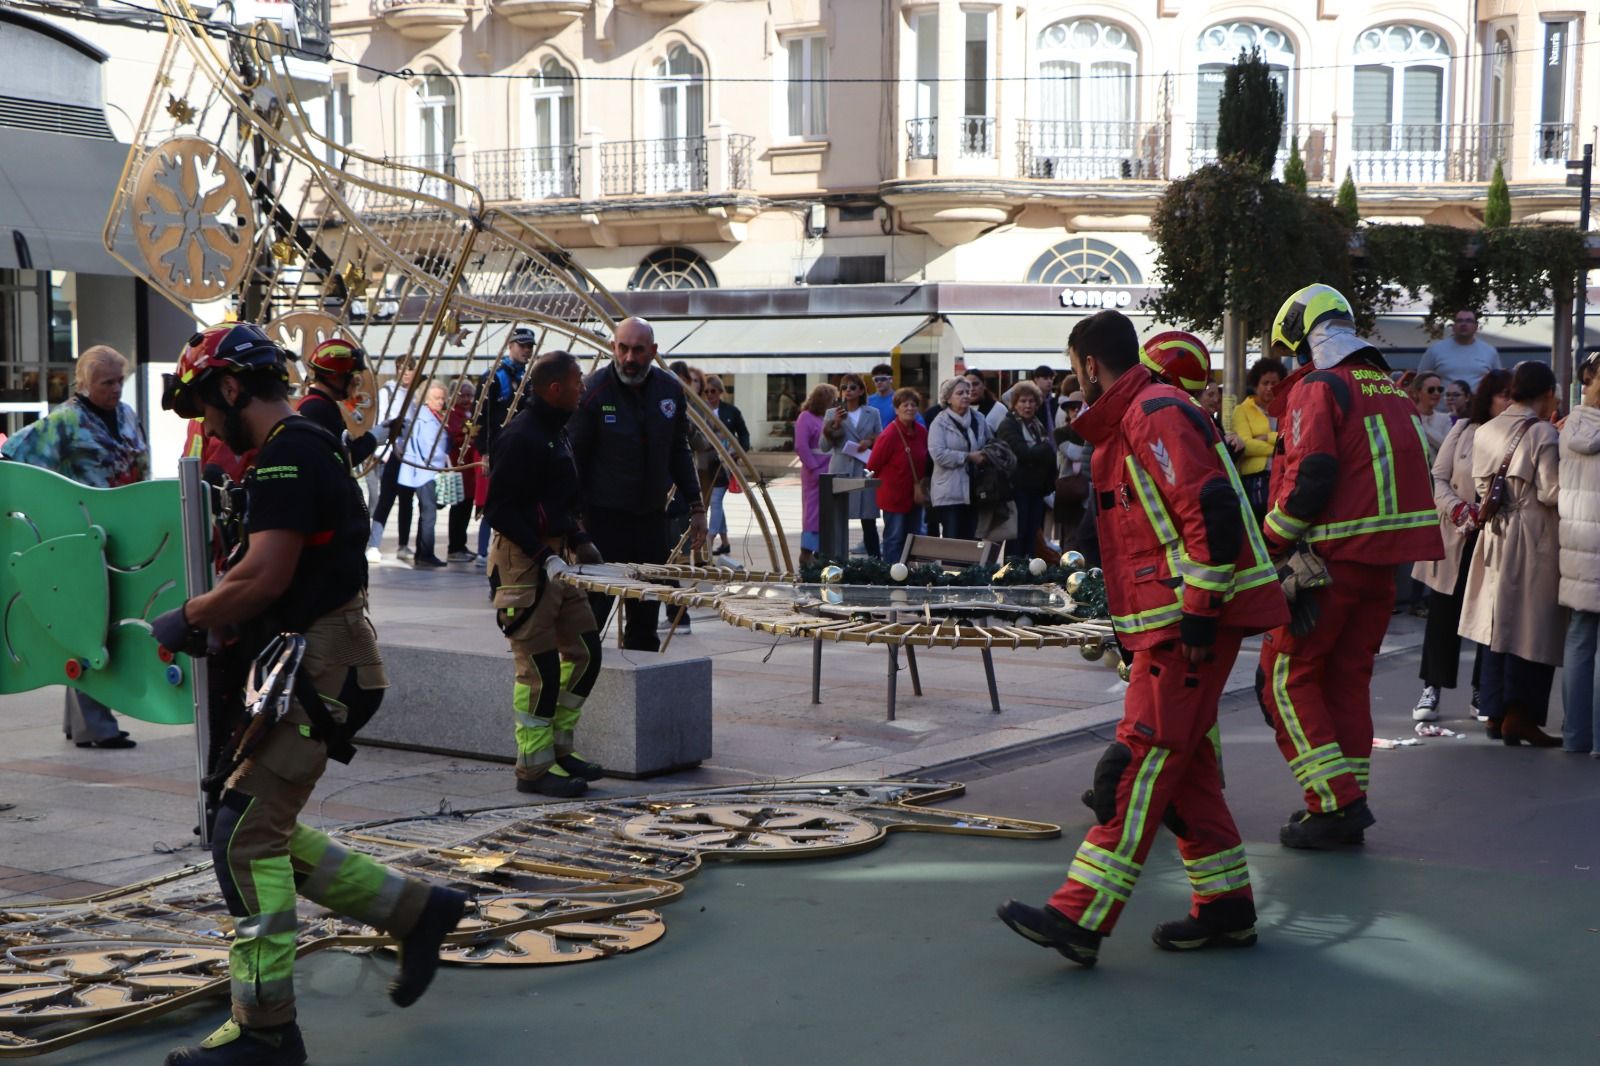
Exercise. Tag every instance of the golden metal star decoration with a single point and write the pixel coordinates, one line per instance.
(355, 281)
(180, 110)
(285, 253)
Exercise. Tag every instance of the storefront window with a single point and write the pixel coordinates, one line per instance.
(785, 394)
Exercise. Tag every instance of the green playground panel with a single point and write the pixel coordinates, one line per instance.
(82, 571)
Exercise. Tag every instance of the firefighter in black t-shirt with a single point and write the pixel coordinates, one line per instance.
(333, 365)
(534, 504)
(303, 571)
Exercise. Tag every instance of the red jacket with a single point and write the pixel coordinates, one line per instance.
(212, 452)
(1181, 551)
(1351, 474)
(893, 466)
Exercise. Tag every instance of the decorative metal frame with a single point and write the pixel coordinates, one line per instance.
(554, 884)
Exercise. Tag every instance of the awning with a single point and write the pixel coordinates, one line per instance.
(55, 191)
(788, 345)
(1014, 342)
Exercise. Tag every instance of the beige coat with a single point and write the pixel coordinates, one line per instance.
(1452, 485)
(1511, 603)
(1580, 510)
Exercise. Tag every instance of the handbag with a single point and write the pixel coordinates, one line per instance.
(920, 494)
(449, 488)
(1498, 492)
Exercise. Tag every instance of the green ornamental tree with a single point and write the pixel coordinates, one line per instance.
(1346, 201)
(1497, 206)
(1294, 171)
(1250, 116)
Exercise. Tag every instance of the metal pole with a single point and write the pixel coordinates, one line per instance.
(1233, 346)
(1581, 296)
(196, 517)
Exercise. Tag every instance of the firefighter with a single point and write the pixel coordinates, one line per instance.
(302, 572)
(333, 365)
(1188, 577)
(1351, 497)
(1178, 358)
(534, 504)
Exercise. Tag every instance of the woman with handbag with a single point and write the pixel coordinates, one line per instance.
(1512, 604)
(1035, 477)
(848, 433)
(899, 460)
(955, 443)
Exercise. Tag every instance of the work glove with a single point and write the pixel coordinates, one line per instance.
(587, 554)
(1301, 573)
(173, 632)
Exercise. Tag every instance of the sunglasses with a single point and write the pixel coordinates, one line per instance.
(852, 387)
(881, 378)
(1433, 391)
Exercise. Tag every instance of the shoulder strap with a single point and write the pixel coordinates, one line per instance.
(1516, 439)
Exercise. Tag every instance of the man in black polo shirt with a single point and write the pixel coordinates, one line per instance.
(630, 436)
(303, 572)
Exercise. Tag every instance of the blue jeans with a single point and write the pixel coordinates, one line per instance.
(896, 527)
(1580, 684)
(717, 521)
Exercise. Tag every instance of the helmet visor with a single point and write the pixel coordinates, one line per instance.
(179, 398)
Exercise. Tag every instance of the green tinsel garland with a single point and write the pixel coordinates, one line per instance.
(860, 570)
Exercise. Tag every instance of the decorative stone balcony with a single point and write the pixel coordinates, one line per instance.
(541, 14)
(422, 20)
(668, 7)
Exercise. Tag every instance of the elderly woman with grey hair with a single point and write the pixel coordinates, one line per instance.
(94, 439)
(955, 443)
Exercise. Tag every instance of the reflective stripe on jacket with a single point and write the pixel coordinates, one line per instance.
(1181, 550)
(1352, 474)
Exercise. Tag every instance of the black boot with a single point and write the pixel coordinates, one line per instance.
(550, 783)
(1324, 832)
(419, 949)
(582, 769)
(1049, 928)
(1353, 837)
(233, 1045)
(1226, 923)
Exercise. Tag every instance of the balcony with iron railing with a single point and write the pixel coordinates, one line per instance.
(922, 138)
(741, 161)
(641, 168)
(1315, 142)
(421, 20)
(425, 174)
(1552, 143)
(547, 172)
(977, 137)
(1428, 153)
(1073, 150)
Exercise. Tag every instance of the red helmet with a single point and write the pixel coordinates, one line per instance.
(1178, 358)
(336, 355)
(229, 349)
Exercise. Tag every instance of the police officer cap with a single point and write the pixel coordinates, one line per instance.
(524, 335)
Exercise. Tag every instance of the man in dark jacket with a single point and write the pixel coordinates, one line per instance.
(533, 508)
(333, 365)
(630, 437)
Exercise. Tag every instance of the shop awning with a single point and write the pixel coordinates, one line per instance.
(55, 192)
(1014, 342)
(788, 345)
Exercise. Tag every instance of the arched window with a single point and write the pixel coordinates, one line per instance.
(1085, 261)
(433, 109)
(1400, 87)
(1220, 46)
(673, 268)
(1086, 125)
(677, 159)
(1500, 67)
(550, 132)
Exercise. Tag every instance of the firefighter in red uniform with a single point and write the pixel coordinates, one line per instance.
(1188, 578)
(1351, 498)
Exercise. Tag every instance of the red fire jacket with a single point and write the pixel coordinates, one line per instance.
(1351, 473)
(1182, 551)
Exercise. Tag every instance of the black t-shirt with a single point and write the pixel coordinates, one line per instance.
(300, 482)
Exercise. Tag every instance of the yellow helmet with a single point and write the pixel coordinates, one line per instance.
(1306, 308)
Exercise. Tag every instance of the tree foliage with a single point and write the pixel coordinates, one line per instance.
(1346, 200)
(1250, 116)
(1294, 171)
(1497, 206)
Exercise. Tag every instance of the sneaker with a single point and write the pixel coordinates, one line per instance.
(1476, 713)
(462, 556)
(419, 949)
(1427, 708)
(427, 562)
(582, 769)
(554, 782)
(1049, 928)
(403, 552)
(1324, 832)
(480, 562)
(374, 555)
(1226, 923)
(234, 1045)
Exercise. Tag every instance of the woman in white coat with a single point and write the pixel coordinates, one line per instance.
(1580, 567)
(955, 441)
(848, 432)
(1455, 494)
(1511, 605)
